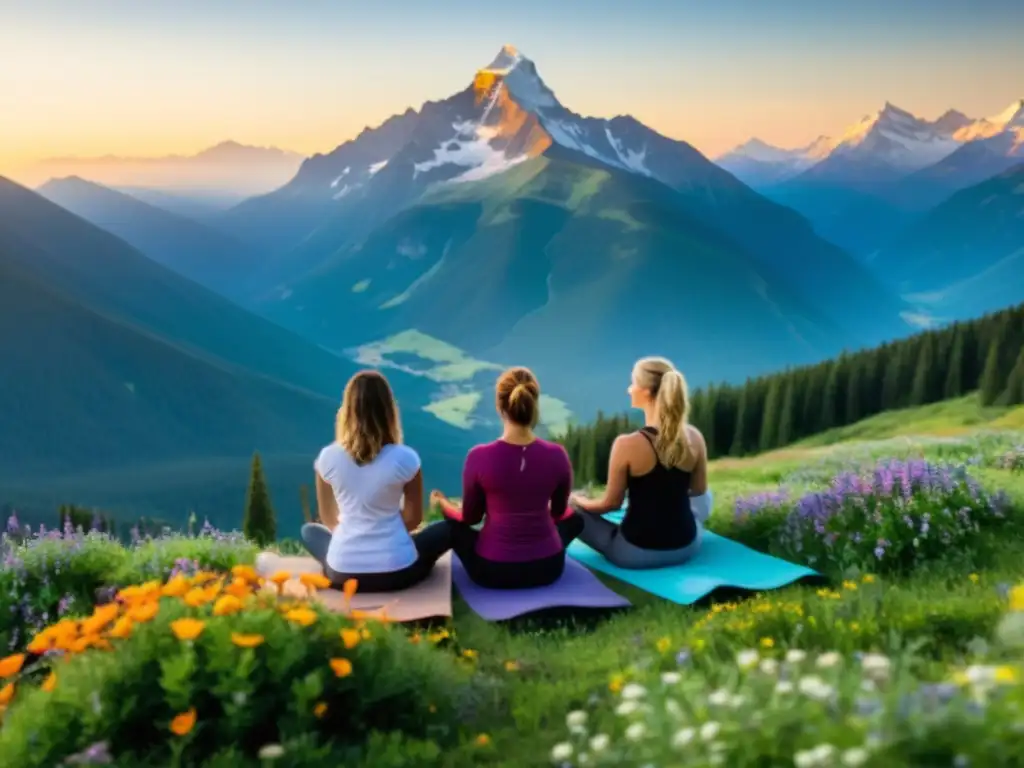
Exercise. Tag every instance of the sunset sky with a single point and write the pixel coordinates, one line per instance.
(153, 78)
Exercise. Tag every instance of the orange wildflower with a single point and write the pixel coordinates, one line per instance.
(176, 587)
(6, 694)
(245, 572)
(201, 577)
(314, 581)
(226, 605)
(349, 588)
(40, 644)
(280, 577)
(122, 628)
(483, 740)
(301, 616)
(187, 629)
(101, 616)
(50, 682)
(143, 613)
(246, 641)
(341, 667)
(320, 709)
(350, 637)
(183, 724)
(11, 665)
(238, 588)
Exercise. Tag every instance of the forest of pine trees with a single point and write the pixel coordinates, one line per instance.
(770, 411)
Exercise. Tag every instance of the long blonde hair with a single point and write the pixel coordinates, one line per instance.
(368, 418)
(672, 403)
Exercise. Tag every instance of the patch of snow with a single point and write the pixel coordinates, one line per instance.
(470, 149)
(411, 250)
(342, 176)
(634, 161)
(377, 167)
(342, 192)
(520, 76)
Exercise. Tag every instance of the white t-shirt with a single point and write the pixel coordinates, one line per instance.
(371, 535)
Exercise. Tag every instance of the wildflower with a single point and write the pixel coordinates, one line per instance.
(784, 687)
(122, 628)
(663, 645)
(576, 719)
(227, 605)
(470, 654)
(767, 642)
(246, 641)
(814, 687)
(670, 678)
(183, 724)
(49, 683)
(246, 573)
(11, 665)
(626, 708)
(482, 740)
(320, 709)
(795, 656)
(313, 581)
(271, 752)
(196, 597)
(747, 659)
(633, 691)
(599, 742)
(6, 694)
(301, 616)
(615, 684)
(1005, 675)
(143, 613)
(636, 731)
(850, 585)
(974, 578)
(718, 698)
(854, 757)
(709, 730)
(868, 578)
(1017, 598)
(349, 589)
(561, 752)
(875, 665)
(187, 629)
(830, 659)
(768, 666)
(683, 737)
(177, 586)
(341, 667)
(350, 638)
(238, 588)
(103, 615)
(511, 666)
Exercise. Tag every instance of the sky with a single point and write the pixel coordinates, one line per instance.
(160, 77)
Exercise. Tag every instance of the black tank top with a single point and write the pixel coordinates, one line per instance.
(658, 515)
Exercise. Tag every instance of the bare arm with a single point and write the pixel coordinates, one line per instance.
(326, 504)
(474, 501)
(615, 492)
(560, 496)
(412, 502)
(699, 476)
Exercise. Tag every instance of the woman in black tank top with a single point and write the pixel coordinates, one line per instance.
(659, 528)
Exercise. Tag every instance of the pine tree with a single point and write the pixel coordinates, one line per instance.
(588, 458)
(829, 406)
(853, 411)
(1014, 393)
(993, 376)
(769, 433)
(787, 414)
(954, 384)
(920, 393)
(259, 523)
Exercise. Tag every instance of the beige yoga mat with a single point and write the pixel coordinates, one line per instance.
(430, 598)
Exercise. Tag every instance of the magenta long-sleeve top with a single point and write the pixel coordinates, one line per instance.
(519, 491)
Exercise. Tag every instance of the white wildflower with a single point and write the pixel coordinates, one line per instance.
(718, 698)
(673, 708)
(823, 753)
(784, 686)
(876, 666)
(709, 730)
(803, 759)
(627, 708)
(599, 742)
(633, 691)
(855, 756)
(814, 687)
(769, 666)
(582, 759)
(683, 737)
(795, 656)
(830, 659)
(670, 678)
(747, 659)
(636, 731)
(737, 701)
(576, 718)
(561, 752)
(271, 752)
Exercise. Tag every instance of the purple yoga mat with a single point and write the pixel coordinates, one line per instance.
(577, 588)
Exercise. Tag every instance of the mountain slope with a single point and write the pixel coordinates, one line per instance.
(568, 266)
(966, 256)
(93, 269)
(189, 248)
(508, 117)
(760, 165)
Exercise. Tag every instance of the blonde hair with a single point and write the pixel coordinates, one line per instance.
(672, 402)
(368, 418)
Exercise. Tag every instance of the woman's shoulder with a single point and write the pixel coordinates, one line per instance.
(399, 453)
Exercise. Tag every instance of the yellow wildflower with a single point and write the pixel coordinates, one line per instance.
(511, 666)
(663, 645)
(11, 665)
(767, 642)
(143, 613)
(615, 685)
(1006, 675)
(183, 724)
(320, 709)
(350, 638)
(483, 740)
(349, 588)
(238, 588)
(196, 597)
(850, 585)
(470, 654)
(246, 573)
(868, 578)
(122, 628)
(279, 577)
(314, 581)
(1017, 598)
(226, 605)
(187, 629)
(301, 616)
(101, 616)
(341, 667)
(246, 641)
(49, 683)
(974, 578)
(176, 587)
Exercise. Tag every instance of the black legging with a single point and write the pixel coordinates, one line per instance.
(430, 543)
(495, 574)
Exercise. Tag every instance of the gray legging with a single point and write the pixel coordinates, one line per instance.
(605, 537)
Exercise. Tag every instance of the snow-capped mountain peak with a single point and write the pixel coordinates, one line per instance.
(894, 137)
(987, 127)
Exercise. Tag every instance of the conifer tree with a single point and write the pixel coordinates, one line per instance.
(743, 417)
(852, 411)
(923, 373)
(829, 406)
(786, 426)
(769, 433)
(993, 376)
(954, 384)
(259, 523)
(1014, 393)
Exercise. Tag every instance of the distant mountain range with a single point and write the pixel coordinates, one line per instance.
(220, 176)
(864, 187)
(113, 363)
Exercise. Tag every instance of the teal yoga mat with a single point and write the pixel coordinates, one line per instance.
(720, 564)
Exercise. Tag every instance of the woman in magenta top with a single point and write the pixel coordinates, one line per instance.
(519, 486)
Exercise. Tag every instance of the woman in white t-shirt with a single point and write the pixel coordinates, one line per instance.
(369, 490)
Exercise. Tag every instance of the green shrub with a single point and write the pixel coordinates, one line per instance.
(214, 673)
